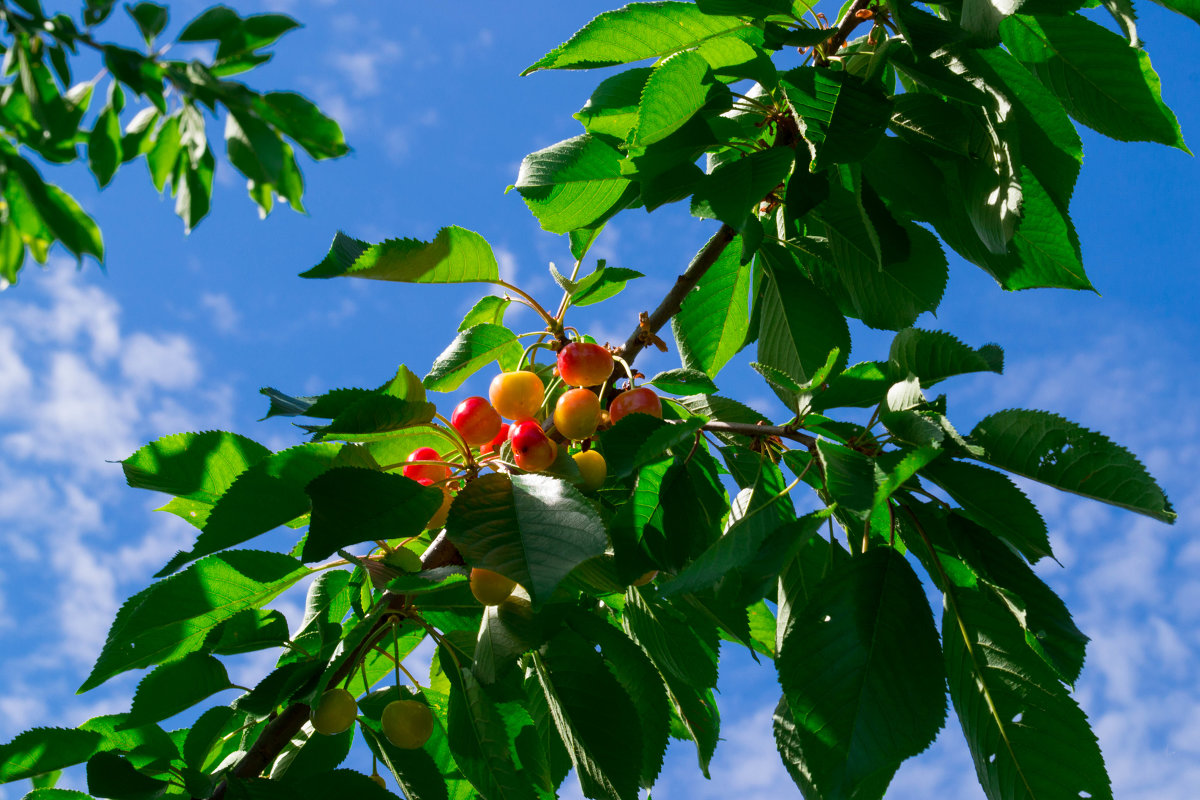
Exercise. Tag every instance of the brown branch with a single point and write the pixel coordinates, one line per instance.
(748, 429)
(847, 25)
(283, 728)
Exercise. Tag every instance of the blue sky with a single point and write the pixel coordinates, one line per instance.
(182, 331)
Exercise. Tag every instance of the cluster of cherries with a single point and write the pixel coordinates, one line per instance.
(519, 397)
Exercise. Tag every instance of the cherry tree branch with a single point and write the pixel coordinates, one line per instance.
(747, 429)
(847, 25)
(283, 728)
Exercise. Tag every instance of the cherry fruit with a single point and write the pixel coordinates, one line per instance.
(335, 713)
(577, 413)
(499, 439)
(408, 724)
(584, 364)
(476, 421)
(593, 468)
(635, 401)
(646, 577)
(532, 449)
(378, 780)
(490, 588)
(425, 473)
(517, 395)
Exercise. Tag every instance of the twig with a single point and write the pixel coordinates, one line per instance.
(747, 429)
(848, 24)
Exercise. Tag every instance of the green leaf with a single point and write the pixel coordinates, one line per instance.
(1027, 736)
(352, 505)
(712, 323)
(933, 356)
(110, 775)
(842, 116)
(683, 381)
(866, 631)
(455, 255)
(265, 496)
(723, 409)
(759, 9)
(1056, 451)
(489, 310)
(1102, 81)
(677, 647)
(1045, 239)
(151, 19)
(572, 184)
(175, 687)
(640, 680)
(531, 529)
(250, 630)
(612, 110)
(635, 32)
(104, 145)
(800, 325)
(471, 350)
(164, 151)
(602, 284)
(298, 118)
(595, 717)
(173, 617)
(992, 500)
(194, 466)
(44, 750)
(677, 88)
(147, 747)
(732, 192)
(60, 212)
(478, 738)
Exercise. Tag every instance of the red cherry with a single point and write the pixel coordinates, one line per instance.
(476, 421)
(635, 401)
(499, 439)
(425, 473)
(584, 364)
(517, 395)
(532, 449)
(577, 413)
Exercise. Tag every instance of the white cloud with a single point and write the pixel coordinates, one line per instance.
(166, 361)
(362, 68)
(221, 312)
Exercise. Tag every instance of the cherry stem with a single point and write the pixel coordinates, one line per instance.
(566, 298)
(625, 365)
(550, 321)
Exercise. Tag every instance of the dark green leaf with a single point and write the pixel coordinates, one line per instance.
(1027, 736)
(602, 284)
(151, 19)
(712, 323)
(268, 494)
(529, 528)
(104, 145)
(455, 255)
(174, 617)
(683, 381)
(250, 630)
(489, 310)
(175, 687)
(732, 192)
(1056, 451)
(1102, 81)
(935, 355)
(595, 717)
(842, 115)
(479, 740)
(110, 775)
(992, 500)
(352, 505)
(415, 771)
(866, 630)
(676, 646)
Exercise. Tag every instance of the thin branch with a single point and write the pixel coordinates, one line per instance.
(284, 727)
(747, 429)
(847, 25)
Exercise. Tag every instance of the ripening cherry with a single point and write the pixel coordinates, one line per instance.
(592, 467)
(635, 401)
(499, 439)
(577, 413)
(476, 421)
(584, 364)
(335, 713)
(646, 577)
(533, 450)
(490, 588)
(408, 724)
(517, 395)
(426, 473)
(378, 780)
